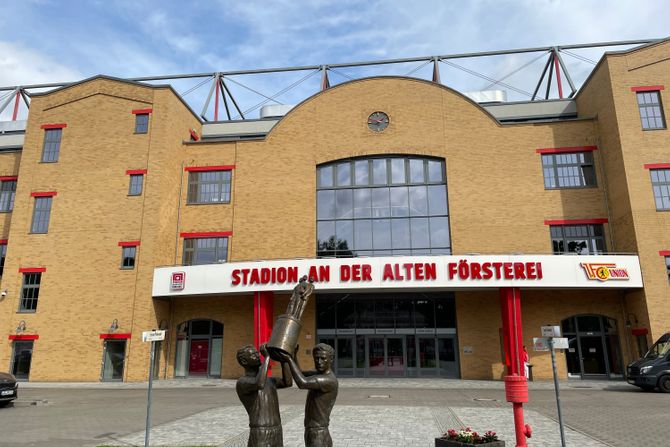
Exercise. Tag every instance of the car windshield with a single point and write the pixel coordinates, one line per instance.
(658, 350)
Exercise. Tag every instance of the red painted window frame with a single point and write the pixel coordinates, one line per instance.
(194, 135)
(136, 172)
(129, 243)
(647, 88)
(664, 252)
(44, 194)
(115, 336)
(200, 235)
(657, 166)
(142, 111)
(53, 126)
(576, 221)
(24, 337)
(8, 178)
(32, 269)
(563, 150)
(209, 168)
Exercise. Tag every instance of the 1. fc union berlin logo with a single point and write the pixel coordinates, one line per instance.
(604, 272)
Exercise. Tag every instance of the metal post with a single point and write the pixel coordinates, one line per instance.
(151, 381)
(558, 75)
(216, 99)
(558, 397)
(16, 106)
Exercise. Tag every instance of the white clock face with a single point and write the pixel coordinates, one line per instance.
(378, 121)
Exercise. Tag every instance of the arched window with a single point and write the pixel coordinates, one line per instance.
(382, 206)
(199, 346)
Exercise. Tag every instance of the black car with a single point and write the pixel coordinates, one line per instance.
(653, 370)
(9, 388)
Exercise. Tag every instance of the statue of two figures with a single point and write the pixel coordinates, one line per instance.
(258, 392)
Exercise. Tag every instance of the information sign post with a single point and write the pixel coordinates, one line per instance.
(550, 341)
(152, 337)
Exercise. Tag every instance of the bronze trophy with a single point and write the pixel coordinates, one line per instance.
(287, 328)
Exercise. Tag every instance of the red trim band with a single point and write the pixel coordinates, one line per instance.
(209, 168)
(3, 241)
(32, 269)
(194, 135)
(637, 331)
(649, 88)
(136, 171)
(44, 194)
(561, 150)
(24, 337)
(53, 126)
(129, 244)
(115, 336)
(8, 178)
(664, 252)
(575, 221)
(207, 234)
(142, 111)
(657, 166)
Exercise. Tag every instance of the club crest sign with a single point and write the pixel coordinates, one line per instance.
(177, 281)
(604, 272)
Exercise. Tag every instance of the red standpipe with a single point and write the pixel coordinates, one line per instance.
(516, 384)
(558, 76)
(16, 106)
(263, 311)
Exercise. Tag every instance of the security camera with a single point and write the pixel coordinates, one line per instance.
(3, 293)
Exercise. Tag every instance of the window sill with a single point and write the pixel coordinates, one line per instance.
(560, 188)
(207, 203)
(33, 232)
(134, 195)
(26, 311)
(654, 128)
(5, 212)
(126, 268)
(141, 133)
(48, 162)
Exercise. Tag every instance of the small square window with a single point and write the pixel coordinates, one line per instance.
(128, 257)
(3, 255)
(51, 147)
(136, 182)
(142, 123)
(667, 266)
(651, 110)
(660, 184)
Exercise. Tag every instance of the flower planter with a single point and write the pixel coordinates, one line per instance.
(441, 442)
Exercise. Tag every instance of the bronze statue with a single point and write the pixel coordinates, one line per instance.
(322, 385)
(287, 328)
(258, 394)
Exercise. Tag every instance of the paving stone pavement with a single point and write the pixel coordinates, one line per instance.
(359, 426)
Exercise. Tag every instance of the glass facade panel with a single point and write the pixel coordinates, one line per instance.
(360, 213)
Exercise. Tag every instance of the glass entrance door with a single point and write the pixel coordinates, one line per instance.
(345, 356)
(199, 358)
(395, 357)
(446, 349)
(376, 361)
(113, 360)
(593, 356)
(23, 354)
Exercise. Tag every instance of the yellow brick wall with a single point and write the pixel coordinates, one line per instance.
(497, 204)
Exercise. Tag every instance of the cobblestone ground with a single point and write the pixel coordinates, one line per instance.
(359, 426)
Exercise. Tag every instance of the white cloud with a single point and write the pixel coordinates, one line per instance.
(21, 66)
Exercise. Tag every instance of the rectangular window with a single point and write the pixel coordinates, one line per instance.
(136, 182)
(51, 147)
(660, 182)
(578, 239)
(209, 187)
(3, 255)
(667, 266)
(142, 123)
(568, 170)
(651, 110)
(30, 292)
(41, 214)
(198, 251)
(7, 194)
(128, 257)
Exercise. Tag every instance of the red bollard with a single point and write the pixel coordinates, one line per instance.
(516, 392)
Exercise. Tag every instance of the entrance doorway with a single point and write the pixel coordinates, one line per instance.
(21, 357)
(113, 359)
(199, 348)
(593, 347)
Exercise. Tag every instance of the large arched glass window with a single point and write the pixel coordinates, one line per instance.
(382, 206)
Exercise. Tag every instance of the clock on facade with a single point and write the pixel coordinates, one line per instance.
(378, 121)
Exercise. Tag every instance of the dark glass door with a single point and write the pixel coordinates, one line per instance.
(427, 356)
(395, 357)
(376, 357)
(23, 354)
(113, 360)
(446, 351)
(593, 356)
(345, 356)
(199, 358)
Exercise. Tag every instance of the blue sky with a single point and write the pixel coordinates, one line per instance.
(52, 41)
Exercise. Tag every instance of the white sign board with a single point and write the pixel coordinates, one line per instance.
(411, 273)
(561, 343)
(551, 331)
(540, 344)
(153, 336)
